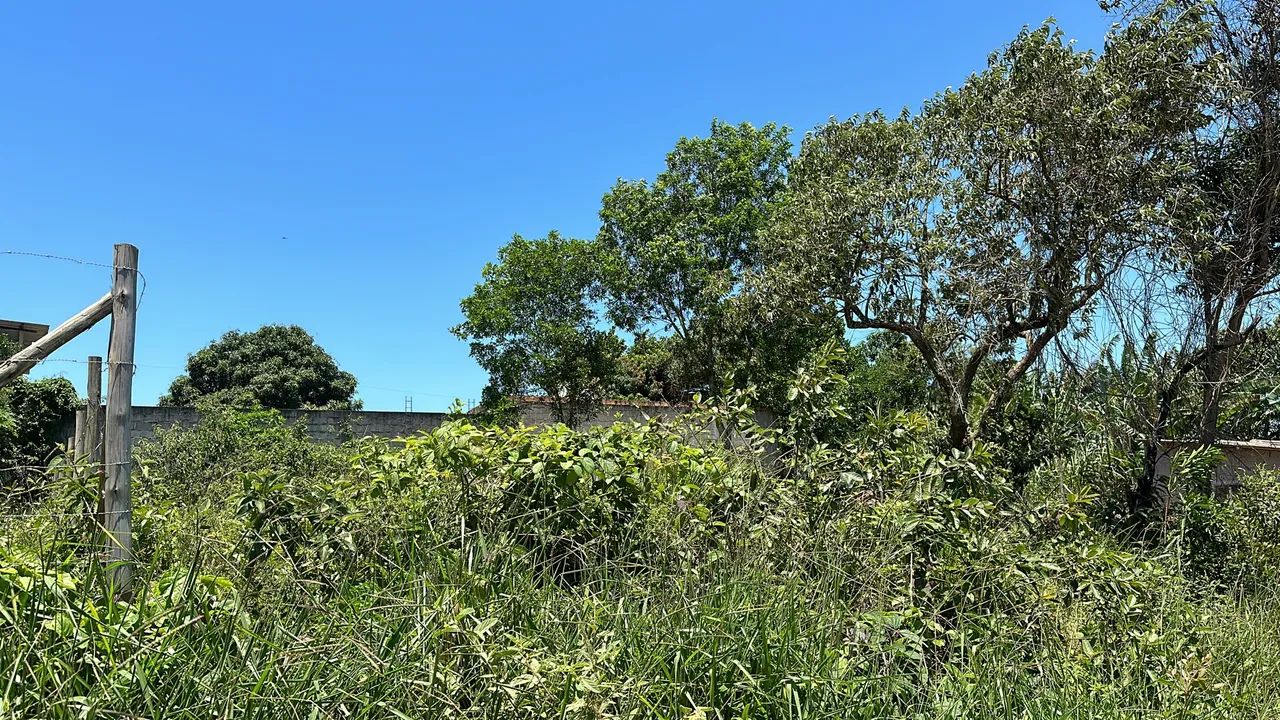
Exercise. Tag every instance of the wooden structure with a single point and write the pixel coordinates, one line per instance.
(23, 333)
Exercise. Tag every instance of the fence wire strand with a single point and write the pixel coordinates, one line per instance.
(79, 261)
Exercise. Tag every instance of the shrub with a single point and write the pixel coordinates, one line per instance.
(34, 415)
(189, 482)
(1235, 544)
(874, 577)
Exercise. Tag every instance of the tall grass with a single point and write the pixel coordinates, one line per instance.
(404, 582)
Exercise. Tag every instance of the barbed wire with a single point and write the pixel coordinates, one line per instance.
(105, 363)
(69, 466)
(141, 294)
(42, 514)
(80, 261)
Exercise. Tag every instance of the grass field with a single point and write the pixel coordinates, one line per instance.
(625, 572)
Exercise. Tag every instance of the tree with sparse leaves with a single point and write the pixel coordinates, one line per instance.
(1223, 246)
(984, 226)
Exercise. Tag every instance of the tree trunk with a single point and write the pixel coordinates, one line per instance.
(1146, 496)
(1217, 368)
(1151, 493)
(958, 426)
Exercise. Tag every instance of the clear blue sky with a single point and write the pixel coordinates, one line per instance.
(350, 167)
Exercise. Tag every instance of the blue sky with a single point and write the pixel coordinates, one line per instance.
(350, 167)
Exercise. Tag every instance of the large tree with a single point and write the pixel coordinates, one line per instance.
(1199, 293)
(276, 366)
(535, 323)
(1226, 246)
(684, 245)
(984, 227)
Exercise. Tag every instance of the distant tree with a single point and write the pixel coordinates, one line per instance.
(534, 323)
(276, 366)
(885, 374)
(648, 369)
(686, 242)
(983, 227)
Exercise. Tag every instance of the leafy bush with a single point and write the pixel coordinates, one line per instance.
(189, 481)
(34, 415)
(758, 577)
(1235, 543)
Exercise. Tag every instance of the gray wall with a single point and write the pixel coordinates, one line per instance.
(335, 426)
(331, 426)
(543, 414)
(1240, 458)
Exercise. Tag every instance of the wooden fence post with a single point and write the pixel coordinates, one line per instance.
(118, 460)
(81, 445)
(93, 429)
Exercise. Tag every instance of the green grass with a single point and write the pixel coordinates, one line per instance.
(725, 592)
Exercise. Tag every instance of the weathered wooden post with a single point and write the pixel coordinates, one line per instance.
(93, 428)
(25, 359)
(116, 500)
(80, 446)
(93, 420)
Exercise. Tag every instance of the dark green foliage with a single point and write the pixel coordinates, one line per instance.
(1042, 420)
(685, 240)
(670, 266)
(35, 418)
(276, 366)
(620, 572)
(649, 369)
(1234, 544)
(885, 373)
(685, 247)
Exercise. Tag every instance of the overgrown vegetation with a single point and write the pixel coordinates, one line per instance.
(638, 571)
(979, 325)
(33, 416)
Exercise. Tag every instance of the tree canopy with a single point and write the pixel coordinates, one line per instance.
(534, 322)
(983, 226)
(683, 243)
(276, 366)
(668, 271)
(1001, 233)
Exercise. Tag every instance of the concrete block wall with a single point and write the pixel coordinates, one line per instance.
(330, 426)
(336, 426)
(543, 414)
